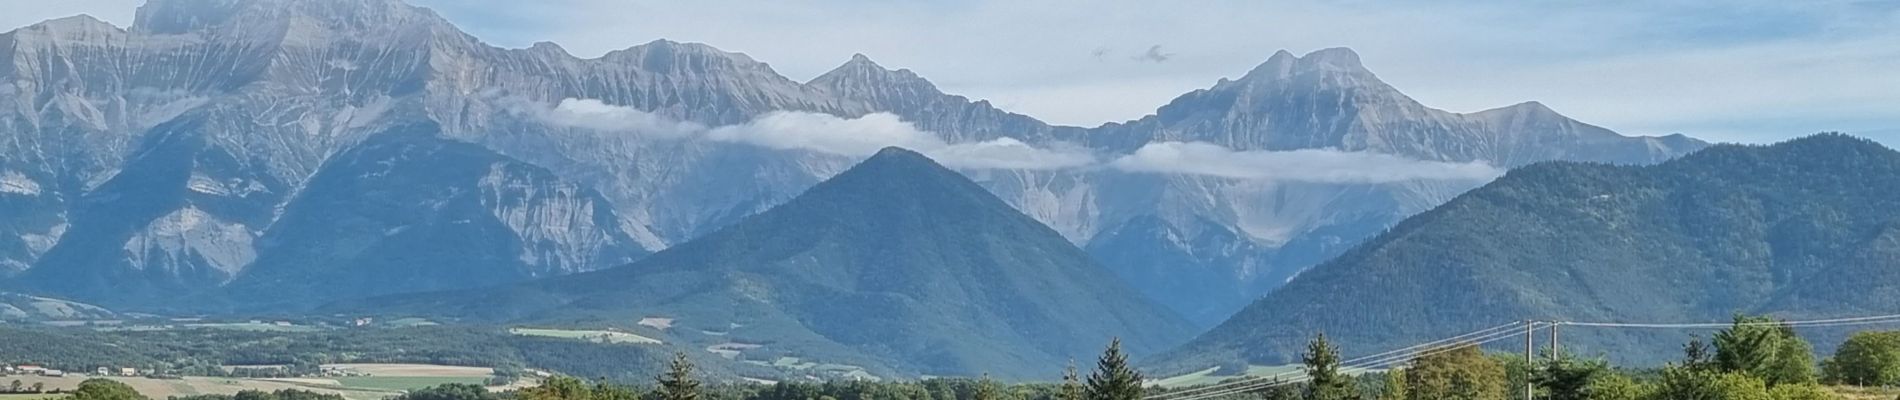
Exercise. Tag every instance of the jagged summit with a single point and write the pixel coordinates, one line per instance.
(1339, 57)
(248, 16)
(861, 73)
(77, 27)
(1284, 65)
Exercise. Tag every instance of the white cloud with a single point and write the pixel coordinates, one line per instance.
(866, 135)
(1324, 166)
(823, 133)
(1007, 153)
(826, 133)
(598, 115)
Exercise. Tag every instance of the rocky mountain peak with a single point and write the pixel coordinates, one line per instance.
(261, 16)
(860, 75)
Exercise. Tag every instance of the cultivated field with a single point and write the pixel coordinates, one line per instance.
(1207, 377)
(415, 370)
(596, 336)
(381, 381)
(163, 388)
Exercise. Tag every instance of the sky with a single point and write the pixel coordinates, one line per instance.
(1751, 71)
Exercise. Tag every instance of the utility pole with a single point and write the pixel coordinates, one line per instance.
(1530, 337)
(1553, 341)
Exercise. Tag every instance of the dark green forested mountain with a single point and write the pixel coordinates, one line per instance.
(896, 261)
(1804, 228)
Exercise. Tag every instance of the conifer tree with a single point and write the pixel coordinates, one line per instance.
(986, 389)
(1325, 381)
(1071, 384)
(1113, 378)
(678, 382)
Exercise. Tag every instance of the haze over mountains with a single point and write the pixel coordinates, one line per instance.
(1801, 229)
(176, 155)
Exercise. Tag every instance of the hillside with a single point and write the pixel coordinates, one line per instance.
(1804, 228)
(897, 258)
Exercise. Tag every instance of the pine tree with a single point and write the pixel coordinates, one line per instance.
(1394, 385)
(1113, 379)
(1071, 384)
(986, 389)
(678, 382)
(1325, 382)
(1695, 355)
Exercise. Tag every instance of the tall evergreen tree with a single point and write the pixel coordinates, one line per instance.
(1695, 355)
(986, 389)
(1113, 379)
(1568, 378)
(1325, 381)
(1394, 385)
(678, 382)
(1746, 347)
(1071, 384)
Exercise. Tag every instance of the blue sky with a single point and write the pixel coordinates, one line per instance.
(1748, 71)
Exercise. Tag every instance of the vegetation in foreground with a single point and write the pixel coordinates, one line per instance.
(1756, 358)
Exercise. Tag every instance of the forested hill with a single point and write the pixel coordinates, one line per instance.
(1804, 228)
(897, 259)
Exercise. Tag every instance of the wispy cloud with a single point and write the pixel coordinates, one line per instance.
(823, 133)
(1323, 166)
(598, 115)
(863, 136)
(1153, 55)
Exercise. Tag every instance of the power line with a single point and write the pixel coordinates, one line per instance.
(1368, 366)
(1464, 336)
(1878, 319)
(1388, 359)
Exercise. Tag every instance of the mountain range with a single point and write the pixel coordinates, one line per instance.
(184, 157)
(897, 259)
(1801, 229)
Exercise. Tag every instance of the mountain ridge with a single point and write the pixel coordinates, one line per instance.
(1754, 229)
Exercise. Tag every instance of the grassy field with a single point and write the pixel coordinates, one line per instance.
(254, 326)
(28, 396)
(1207, 377)
(1866, 393)
(382, 381)
(404, 382)
(163, 388)
(421, 370)
(588, 335)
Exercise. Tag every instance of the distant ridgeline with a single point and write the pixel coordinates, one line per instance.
(1804, 228)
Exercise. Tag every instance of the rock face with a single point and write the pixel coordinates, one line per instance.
(1802, 229)
(405, 210)
(230, 110)
(897, 258)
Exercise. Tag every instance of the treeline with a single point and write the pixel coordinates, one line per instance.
(1754, 359)
(206, 352)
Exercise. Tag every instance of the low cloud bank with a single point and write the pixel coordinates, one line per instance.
(863, 136)
(1311, 165)
(824, 133)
